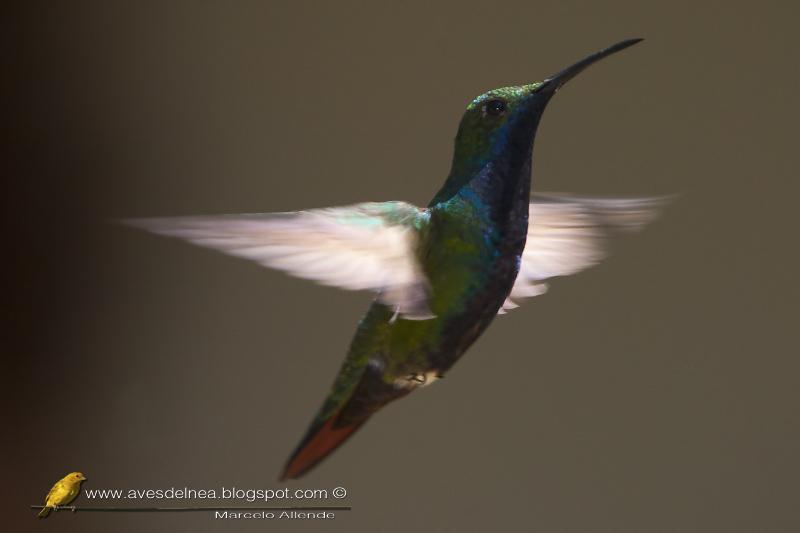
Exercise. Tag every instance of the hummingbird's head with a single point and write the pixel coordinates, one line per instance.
(499, 125)
(498, 120)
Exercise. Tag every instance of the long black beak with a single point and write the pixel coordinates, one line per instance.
(553, 83)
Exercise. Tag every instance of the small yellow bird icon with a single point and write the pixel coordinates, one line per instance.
(64, 491)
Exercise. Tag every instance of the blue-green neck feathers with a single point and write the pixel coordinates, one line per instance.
(493, 146)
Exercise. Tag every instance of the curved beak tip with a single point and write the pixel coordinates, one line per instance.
(555, 82)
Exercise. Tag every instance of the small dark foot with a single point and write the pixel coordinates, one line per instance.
(417, 378)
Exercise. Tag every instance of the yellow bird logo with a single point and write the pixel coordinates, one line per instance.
(63, 492)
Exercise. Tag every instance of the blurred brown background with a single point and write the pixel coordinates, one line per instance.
(657, 392)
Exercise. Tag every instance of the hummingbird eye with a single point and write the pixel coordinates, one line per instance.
(495, 108)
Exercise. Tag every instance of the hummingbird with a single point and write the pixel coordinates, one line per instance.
(442, 273)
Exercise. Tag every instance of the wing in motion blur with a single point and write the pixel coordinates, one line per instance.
(567, 234)
(369, 246)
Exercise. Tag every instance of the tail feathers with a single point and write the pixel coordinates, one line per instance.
(320, 442)
(44, 512)
(370, 394)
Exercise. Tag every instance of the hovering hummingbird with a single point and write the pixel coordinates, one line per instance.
(441, 273)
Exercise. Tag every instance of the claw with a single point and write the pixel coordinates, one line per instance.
(413, 380)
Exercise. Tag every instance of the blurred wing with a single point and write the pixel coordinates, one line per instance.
(367, 246)
(566, 234)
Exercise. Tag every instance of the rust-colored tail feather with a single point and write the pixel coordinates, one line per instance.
(369, 396)
(318, 444)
